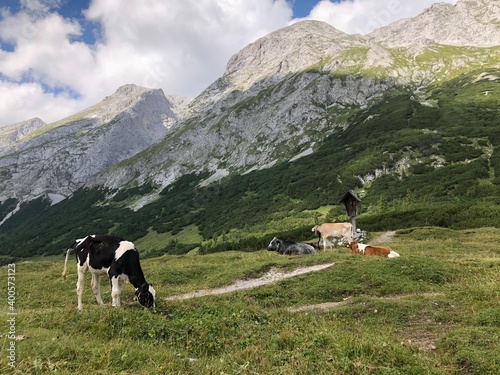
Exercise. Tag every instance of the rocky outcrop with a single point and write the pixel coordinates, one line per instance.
(270, 59)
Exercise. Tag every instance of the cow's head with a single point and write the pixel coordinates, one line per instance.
(82, 242)
(77, 243)
(316, 231)
(354, 247)
(274, 245)
(146, 295)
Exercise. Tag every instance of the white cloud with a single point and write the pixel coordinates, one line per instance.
(184, 46)
(39, 5)
(44, 51)
(181, 46)
(364, 16)
(24, 101)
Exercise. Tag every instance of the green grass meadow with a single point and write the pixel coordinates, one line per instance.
(435, 310)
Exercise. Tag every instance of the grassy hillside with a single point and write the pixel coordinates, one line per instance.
(414, 160)
(432, 311)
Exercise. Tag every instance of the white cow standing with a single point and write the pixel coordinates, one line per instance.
(333, 230)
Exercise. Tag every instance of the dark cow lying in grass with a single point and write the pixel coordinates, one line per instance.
(290, 248)
(112, 256)
(382, 251)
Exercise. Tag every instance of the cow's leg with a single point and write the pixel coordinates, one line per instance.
(96, 288)
(80, 284)
(116, 290)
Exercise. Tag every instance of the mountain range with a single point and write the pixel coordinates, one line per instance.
(282, 99)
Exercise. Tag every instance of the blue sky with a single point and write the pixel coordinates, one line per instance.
(302, 8)
(58, 57)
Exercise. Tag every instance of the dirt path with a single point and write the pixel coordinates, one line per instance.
(270, 277)
(332, 305)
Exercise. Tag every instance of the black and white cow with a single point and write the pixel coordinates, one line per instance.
(115, 257)
(290, 248)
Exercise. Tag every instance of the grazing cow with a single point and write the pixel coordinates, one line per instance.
(328, 230)
(383, 251)
(290, 248)
(112, 256)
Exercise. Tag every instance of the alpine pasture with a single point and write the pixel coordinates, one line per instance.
(434, 310)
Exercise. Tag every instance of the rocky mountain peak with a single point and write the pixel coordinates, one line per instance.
(468, 23)
(12, 133)
(271, 58)
(285, 51)
(123, 99)
(129, 88)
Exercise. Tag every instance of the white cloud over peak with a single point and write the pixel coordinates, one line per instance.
(364, 16)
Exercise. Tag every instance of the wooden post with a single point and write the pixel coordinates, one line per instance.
(352, 205)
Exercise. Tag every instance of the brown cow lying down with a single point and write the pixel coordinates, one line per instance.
(362, 249)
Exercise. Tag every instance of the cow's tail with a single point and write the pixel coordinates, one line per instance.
(65, 271)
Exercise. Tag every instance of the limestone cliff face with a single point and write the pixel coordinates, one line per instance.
(276, 99)
(289, 119)
(61, 157)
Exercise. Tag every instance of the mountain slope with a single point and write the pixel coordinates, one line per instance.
(277, 100)
(411, 164)
(283, 94)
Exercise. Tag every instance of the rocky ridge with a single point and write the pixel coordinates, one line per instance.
(13, 133)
